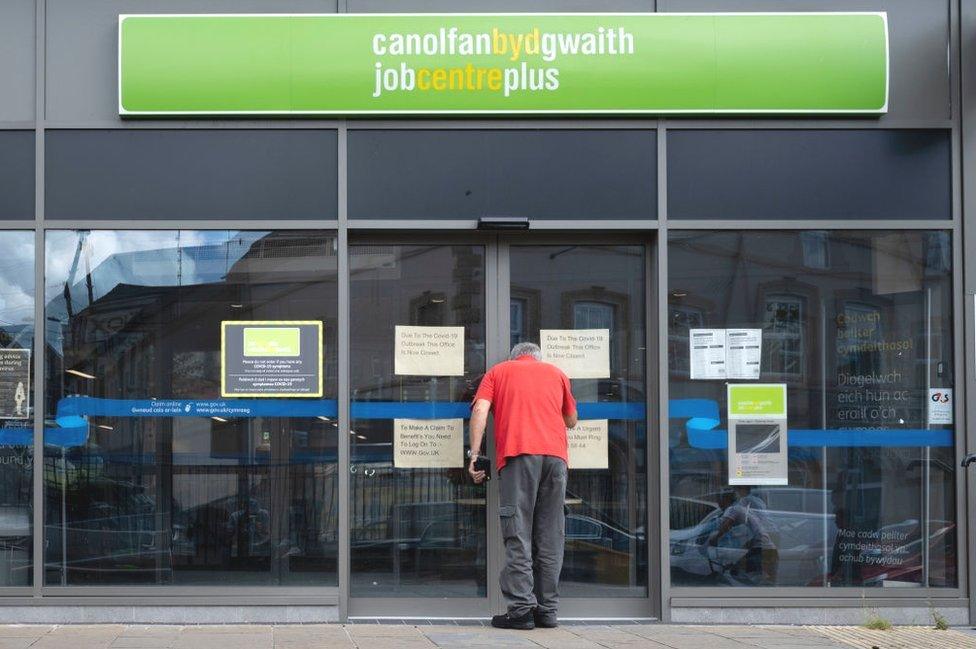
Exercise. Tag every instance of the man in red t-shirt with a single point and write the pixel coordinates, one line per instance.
(533, 407)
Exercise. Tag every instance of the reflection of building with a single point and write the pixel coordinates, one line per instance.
(167, 498)
(845, 345)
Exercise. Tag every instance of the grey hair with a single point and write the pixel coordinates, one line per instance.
(523, 349)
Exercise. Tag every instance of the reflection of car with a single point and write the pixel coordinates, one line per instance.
(100, 540)
(590, 531)
(887, 562)
(801, 531)
(442, 538)
(599, 552)
(446, 538)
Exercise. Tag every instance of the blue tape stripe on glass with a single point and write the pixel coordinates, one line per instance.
(409, 410)
(703, 432)
(611, 410)
(78, 407)
(702, 416)
(54, 436)
(71, 411)
(689, 408)
(717, 438)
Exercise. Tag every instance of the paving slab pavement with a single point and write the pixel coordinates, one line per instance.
(475, 635)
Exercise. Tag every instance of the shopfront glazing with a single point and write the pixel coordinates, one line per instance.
(842, 241)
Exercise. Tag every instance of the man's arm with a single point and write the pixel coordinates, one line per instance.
(571, 419)
(476, 431)
(569, 404)
(725, 523)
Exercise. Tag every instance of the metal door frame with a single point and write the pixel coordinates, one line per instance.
(497, 334)
(604, 608)
(432, 608)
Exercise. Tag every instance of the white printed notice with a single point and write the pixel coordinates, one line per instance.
(589, 444)
(707, 353)
(743, 353)
(428, 443)
(580, 353)
(940, 406)
(429, 351)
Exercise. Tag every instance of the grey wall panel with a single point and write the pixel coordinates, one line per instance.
(919, 40)
(82, 47)
(815, 174)
(489, 6)
(16, 175)
(16, 60)
(191, 174)
(436, 174)
(81, 41)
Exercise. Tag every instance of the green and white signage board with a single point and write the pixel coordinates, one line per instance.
(504, 64)
(758, 447)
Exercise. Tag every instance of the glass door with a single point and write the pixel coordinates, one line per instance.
(418, 525)
(428, 315)
(585, 302)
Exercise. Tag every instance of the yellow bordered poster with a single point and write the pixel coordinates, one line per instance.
(271, 358)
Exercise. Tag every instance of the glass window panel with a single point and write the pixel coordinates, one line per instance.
(858, 325)
(150, 476)
(415, 532)
(16, 408)
(598, 287)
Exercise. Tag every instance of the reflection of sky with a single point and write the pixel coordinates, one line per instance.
(16, 279)
(137, 258)
(151, 258)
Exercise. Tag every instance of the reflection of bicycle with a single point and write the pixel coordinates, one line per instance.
(722, 573)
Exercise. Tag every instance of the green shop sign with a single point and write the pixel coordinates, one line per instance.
(425, 64)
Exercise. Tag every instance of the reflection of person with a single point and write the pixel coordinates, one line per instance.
(533, 406)
(249, 528)
(761, 560)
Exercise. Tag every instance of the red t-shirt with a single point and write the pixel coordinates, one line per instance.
(528, 398)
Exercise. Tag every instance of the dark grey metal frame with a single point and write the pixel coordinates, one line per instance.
(497, 272)
(663, 596)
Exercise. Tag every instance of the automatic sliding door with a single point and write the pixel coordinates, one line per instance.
(417, 352)
(599, 289)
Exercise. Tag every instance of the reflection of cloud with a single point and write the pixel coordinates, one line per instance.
(17, 278)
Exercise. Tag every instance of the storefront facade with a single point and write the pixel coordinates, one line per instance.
(832, 242)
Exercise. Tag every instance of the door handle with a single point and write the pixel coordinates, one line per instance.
(969, 459)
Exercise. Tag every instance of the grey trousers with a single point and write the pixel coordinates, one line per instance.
(533, 520)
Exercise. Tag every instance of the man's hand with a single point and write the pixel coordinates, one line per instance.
(477, 476)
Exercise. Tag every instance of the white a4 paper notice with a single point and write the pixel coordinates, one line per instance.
(743, 353)
(707, 353)
(725, 353)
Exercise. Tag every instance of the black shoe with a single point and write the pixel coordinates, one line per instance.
(507, 621)
(544, 620)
